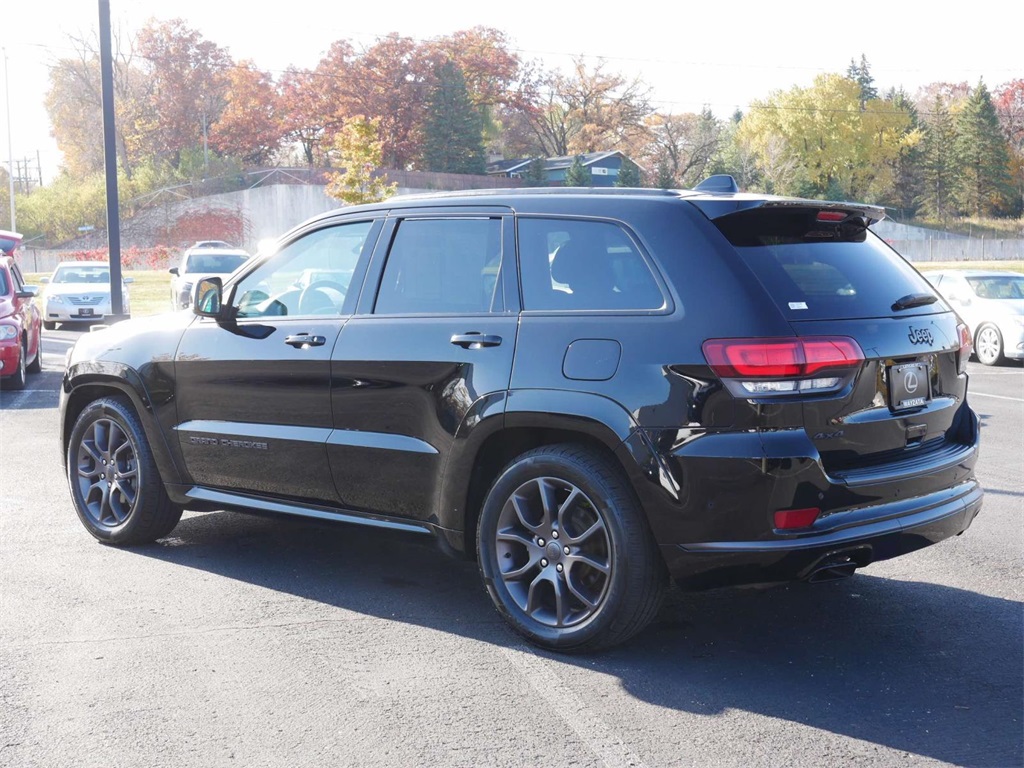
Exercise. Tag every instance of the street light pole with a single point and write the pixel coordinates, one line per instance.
(10, 151)
(110, 164)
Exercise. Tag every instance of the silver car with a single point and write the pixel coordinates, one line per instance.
(202, 260)
(79, 292)
(991, 302)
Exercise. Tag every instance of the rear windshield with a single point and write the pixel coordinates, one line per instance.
(998, 286)
(824, 271)
(220, 263)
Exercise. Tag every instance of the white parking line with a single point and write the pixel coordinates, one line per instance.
(592, 730)
(972, 393)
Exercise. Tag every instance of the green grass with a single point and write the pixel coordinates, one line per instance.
(1012, 266)
(150, 290)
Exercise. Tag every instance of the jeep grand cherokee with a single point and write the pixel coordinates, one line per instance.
(589, 391)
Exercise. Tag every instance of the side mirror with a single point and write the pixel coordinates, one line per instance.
(207, 297)
(127, 280)
(44, 279)
(28, 292)
(173, 271)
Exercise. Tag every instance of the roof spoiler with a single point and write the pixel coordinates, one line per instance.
(9, 241)
(715, 208)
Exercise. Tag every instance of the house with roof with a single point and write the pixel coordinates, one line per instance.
(604, 168)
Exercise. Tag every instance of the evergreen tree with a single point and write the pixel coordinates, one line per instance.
(535, 175)
(665, 179)
(908, 182)
(359, 153)
(861, 74)
(985, 185)
(629, 175)
(939, 168)
(453, 131)
(578, 174)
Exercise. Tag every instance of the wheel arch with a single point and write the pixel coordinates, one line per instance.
(101, 379)
(532, 419)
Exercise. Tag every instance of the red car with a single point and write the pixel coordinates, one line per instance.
(20, 322)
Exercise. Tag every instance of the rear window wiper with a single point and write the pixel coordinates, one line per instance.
(914, 300)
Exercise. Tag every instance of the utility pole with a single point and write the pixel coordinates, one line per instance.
(10, 152)
(110, 164)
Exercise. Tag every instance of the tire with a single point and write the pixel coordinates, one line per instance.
(36, 365)
(988, 345)
(48, 326)
(115, 485)
(17, 379)
(611, 580)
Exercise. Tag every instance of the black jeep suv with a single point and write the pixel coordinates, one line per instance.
(587, 390)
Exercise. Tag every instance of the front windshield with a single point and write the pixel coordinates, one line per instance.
(998, 286)
(82, 274)
(216, 263)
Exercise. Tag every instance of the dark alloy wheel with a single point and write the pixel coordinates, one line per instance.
(114, 482)
(989, 345)
(565, 551)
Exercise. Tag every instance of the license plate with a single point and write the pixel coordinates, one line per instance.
(85, 313)
(909, 385)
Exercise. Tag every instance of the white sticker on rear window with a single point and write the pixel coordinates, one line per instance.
(798, 305)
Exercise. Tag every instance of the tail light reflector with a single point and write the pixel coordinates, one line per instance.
(966, 347)
(796, 518)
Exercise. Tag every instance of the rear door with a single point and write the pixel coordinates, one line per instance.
(834, 280)
(428, 352)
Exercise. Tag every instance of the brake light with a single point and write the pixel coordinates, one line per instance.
(966, 347)
(831, 215)
(796, 518)
(796, 365)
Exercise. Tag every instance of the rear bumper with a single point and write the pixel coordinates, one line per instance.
(897, 528)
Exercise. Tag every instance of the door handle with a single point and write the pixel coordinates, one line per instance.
(475, 340)
(304, 341)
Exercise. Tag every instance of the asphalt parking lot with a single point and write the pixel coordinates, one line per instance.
(253, 641)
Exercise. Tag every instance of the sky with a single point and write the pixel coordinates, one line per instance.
(692, 54)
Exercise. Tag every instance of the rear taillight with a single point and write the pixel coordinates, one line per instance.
(780, 367)
(966, 347)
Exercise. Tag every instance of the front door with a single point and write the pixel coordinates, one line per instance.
(254, 393)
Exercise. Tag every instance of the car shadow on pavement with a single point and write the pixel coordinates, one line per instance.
(925, 669)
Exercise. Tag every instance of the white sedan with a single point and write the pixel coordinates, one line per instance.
(991, 302)
(79, 292)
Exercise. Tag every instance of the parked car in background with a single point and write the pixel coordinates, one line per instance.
(20, 320)
(991, 302)
(204, 259)
(78, 292)
(588, 391)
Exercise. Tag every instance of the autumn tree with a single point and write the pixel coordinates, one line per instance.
(388, 82)
(74, 104)
(591, 110)
(250, 125)
(306, 112)
(453, 131)
(841, 150)
(189, 80)
(359, 154)
(682, 145)
(1009, 101)
(985, 185)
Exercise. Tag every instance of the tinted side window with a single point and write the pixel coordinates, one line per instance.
(308, 276)
(4, 287)
(583, 265)
(442, 266)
